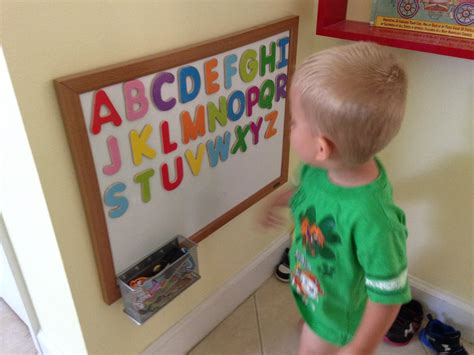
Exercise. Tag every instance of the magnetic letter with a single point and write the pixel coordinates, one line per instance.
(213, 114)
(248, 65)
(219, 149)
(192, 73)
(211, 76)
(131, 100)
(267, 91)
(143, 179)
(119, 204)
(282, 44)
(240, 142)
(138, 142)
(252, 98)
(239, 97)
(165, 176)
(168, 146)
(229, 70)
(281, 81)
(195, 162)
(271, 119)
(192, 129)
(156, 86)
(101, 99)
(267, 59)
(114, 153)
(255, 128)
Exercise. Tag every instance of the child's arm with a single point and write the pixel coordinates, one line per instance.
(381, 251)
(375, 323)
(270, 216)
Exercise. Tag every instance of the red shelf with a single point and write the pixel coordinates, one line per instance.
(332, 23)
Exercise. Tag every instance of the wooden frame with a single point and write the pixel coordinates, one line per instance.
(332, 22)
(68, 90)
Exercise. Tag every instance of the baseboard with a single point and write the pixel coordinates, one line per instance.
(202, 320)
(444, 306)
(188, 332)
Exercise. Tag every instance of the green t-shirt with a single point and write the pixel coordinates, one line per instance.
(349, 244)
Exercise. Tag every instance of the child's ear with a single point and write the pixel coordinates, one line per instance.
(324, 148)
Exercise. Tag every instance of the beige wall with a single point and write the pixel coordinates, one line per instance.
(430, 161)
(431, 166)
(47, 40)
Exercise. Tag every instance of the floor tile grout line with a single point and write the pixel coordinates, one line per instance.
(258, 323)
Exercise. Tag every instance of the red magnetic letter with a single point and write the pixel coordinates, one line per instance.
(168, 146)
(100, 99)
(165, 176)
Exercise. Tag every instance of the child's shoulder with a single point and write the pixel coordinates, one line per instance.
(379, 213)
(311, 171)
(307, 172)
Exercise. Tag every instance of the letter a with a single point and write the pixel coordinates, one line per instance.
(101, 99)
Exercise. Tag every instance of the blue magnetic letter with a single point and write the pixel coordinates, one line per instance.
(229, 70)
(119, 203)
(282, 44)
(240, 98)
(219, 149)
(193, 74)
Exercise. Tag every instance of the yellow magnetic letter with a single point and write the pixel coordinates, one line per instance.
(138, 143)
(195, 163)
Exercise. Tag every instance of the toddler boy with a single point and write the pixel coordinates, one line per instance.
(348, 256)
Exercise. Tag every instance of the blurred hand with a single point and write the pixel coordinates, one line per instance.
(272, 215)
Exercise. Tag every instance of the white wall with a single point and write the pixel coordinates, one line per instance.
(8, 288)
(27, 219)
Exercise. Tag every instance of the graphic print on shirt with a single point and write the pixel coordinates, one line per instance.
(305, 282)
(317, 240)
(326, 270)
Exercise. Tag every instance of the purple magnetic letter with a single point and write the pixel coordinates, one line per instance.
(161, 104)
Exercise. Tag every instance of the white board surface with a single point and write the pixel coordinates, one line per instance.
(199, 199)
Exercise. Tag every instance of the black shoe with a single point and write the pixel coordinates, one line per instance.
(441, 338)
(282, 270)
(406, 324)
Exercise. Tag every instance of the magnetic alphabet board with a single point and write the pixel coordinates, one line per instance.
(179, 142)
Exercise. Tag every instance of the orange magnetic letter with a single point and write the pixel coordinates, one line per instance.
(211, 76)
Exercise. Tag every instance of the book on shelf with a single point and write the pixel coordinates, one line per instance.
(454, 18)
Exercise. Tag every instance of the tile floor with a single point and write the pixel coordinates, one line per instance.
(15, 337)
(267, 323)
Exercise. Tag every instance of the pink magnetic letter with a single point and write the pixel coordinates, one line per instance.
(138, 99)
(253, 93)
(255, 128)
(115, 160)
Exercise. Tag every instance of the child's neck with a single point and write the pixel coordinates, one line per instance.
(354, 176)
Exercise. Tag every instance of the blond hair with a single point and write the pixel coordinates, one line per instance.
(355, 95)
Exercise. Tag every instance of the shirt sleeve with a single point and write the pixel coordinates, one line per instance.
(381, 251)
